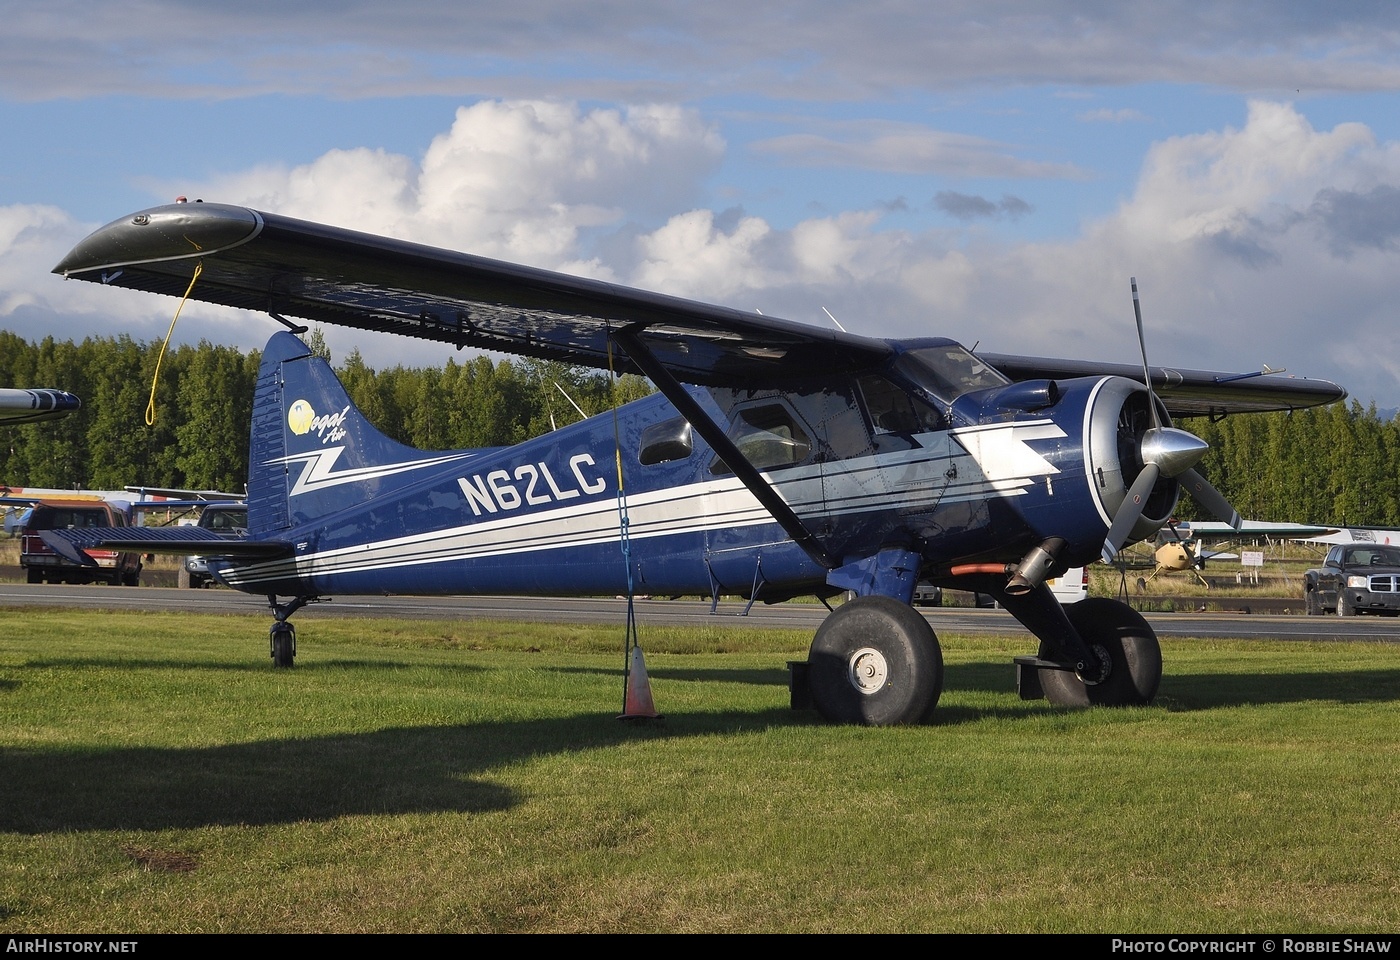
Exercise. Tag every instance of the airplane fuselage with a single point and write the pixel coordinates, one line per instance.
(547, 516)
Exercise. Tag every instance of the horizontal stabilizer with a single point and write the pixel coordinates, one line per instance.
(70, 544)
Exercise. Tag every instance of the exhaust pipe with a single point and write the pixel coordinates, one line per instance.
(1034, 567)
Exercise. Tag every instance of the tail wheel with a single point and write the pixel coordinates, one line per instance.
(1119, 635)
(283, 637)
(875, 661)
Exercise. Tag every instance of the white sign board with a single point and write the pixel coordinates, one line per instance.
(1251, 558)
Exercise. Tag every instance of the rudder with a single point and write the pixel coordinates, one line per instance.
(311, 450)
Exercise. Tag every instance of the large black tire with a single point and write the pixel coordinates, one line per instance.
(1118, 632)
(1311, 603)
(875, 661)
(35, 574)
(284, 644)
(1344, 607)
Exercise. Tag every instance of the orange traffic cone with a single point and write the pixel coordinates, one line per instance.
(637, 704)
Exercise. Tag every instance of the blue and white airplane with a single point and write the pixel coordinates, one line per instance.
(776, 459)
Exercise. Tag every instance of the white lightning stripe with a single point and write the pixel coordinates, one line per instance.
(318, 472)
(1001, 451)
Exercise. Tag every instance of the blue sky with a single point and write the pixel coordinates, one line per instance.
(990, 171)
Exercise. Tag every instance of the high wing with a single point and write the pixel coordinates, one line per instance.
(1186, 393)
(31, 406)
(292, 268)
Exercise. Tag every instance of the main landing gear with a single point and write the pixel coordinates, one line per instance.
(1123, 643)
(874, 661)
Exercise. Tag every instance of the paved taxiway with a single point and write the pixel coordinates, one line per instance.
(803, 616)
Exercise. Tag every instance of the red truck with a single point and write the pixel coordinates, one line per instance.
(43, 564)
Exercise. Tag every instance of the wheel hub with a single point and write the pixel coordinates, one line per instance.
(1105, 664)
(869, 670)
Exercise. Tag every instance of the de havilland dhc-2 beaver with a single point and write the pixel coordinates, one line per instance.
(775, 460)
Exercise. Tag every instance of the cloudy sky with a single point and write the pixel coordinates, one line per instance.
(992, 171)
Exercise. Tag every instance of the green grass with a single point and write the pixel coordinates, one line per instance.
(157, 774)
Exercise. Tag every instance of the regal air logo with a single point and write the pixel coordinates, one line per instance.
(302, 419)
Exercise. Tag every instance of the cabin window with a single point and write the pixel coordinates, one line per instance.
(893, 410)
(768, 435)
(666, 441)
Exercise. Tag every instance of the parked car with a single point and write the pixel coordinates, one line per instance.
(1355, 578)
(43, 564)
(225, 518)
(1072, 587)
(927, 595)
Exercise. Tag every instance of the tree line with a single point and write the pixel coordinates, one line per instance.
(203, 401)
(1335, 465)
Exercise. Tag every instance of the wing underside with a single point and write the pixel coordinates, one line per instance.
(291, 268)
(1186, 393)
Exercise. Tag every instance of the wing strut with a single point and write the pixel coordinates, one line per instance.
(719, 441)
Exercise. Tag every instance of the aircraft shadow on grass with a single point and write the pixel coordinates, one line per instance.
(392, 771)
(1179, 693)
(230, 666)
(445, 768)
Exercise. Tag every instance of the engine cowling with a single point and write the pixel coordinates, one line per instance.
(1118, 422)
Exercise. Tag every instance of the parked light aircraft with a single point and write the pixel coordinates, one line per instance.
(1181, 545)
(776, 460)
(1180, 552)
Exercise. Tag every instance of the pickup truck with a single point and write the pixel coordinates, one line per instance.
(43, 564)
(1355, 578)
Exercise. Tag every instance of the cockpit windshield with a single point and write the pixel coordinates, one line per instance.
(948, 370)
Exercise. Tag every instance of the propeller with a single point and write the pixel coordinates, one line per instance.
(1166, 452)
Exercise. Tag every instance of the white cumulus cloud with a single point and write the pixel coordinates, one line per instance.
(1273, 242)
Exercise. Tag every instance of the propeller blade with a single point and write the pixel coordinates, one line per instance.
(1142, 345)
(1130, 510)
(1210, 498)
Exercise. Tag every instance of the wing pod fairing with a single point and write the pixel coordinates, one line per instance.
(34, 405)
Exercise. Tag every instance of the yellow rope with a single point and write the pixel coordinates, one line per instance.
(151, 404)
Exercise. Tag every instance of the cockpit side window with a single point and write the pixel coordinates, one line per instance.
(893, 410)
(768, 435)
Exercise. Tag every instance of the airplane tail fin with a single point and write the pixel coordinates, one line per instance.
(312, 453)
